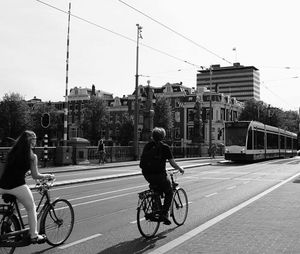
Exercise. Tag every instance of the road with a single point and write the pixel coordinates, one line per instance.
(105, 211)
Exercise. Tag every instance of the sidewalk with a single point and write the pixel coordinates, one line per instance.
(269, 225)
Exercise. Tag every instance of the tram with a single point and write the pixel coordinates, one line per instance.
(253, 141)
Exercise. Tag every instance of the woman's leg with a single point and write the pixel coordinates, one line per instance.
(25, 197)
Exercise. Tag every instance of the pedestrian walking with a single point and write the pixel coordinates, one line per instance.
(101, 151)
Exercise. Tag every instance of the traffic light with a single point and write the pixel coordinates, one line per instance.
(45, 120)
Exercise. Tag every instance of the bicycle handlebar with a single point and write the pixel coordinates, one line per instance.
(172, 172)
(45, 183)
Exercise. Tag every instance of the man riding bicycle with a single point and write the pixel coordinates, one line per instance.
(153, 165)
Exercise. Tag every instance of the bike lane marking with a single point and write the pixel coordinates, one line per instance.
(79, 241)
(187, 236)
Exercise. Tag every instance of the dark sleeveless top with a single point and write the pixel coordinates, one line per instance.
(13, 177)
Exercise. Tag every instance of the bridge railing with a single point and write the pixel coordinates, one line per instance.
(113, 154)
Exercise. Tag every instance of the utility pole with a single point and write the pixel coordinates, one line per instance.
(136, 104)
(67, 81)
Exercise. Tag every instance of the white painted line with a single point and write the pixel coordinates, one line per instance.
(212, 194)
(246, 182)
(103, 199)
(214, 178)
(176, 242)
(231, 187)
(109, 192)
(79, 241)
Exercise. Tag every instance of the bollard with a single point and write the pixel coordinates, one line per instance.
(45, 149)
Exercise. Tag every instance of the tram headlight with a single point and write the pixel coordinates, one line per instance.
(243, 150)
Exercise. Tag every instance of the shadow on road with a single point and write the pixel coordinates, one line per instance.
(136, 246)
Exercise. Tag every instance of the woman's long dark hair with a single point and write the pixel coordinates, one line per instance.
(20, 154)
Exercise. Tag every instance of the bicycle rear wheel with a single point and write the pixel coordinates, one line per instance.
(57, 222)
(148, 216)
(9, 223)
(179, 206)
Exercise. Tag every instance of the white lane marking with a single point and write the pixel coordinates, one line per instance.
(210, 195)
(103, 199)
(176, 242)
(108, 192)
(90, 172)
(246, 182)
(214, 178)
(79, 241)
(231, 187)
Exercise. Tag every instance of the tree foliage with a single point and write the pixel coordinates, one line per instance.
(264, 113)
(14, 116)
(162, 113)
(94, 119)
(126, 132)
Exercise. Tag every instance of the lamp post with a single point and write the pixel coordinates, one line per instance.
(136, 104)
(210, 108)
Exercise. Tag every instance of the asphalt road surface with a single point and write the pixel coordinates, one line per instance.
(105, 211)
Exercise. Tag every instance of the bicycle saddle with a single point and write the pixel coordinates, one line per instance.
(153, 187)
(156, 188)
(8, 198)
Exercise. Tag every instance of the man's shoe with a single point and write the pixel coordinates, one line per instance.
(165, 220)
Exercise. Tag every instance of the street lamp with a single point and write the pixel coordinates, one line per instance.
(136, 104)
(210, 108)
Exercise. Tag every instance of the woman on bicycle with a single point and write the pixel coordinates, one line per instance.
(20, 160)
(153, 164)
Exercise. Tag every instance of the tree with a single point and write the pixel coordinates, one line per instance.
(94, 119)
(261, 112)
(14, 115)
(264, 113)
(126, 132)
(163, 113)
(289, 121)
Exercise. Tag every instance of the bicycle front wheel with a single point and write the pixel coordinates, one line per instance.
(9, 223)
(148, 218)
(58, 221)
(179, 206)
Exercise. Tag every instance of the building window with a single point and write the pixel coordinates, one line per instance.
(190, 132)
(190, 115)
(177, 133)
(222, 113)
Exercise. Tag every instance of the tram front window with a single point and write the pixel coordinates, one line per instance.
(236, 136)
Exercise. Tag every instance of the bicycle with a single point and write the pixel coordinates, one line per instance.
(149, 208)
(56, 220)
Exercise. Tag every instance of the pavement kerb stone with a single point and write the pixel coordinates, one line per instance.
(102, 178)
(108, 165)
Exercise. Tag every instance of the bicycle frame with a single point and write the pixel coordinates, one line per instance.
(13, 206)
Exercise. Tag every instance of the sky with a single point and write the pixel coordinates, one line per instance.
(178, 37)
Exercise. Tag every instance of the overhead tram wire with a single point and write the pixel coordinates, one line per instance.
(177, 33)
(121, 35)
(283, 100)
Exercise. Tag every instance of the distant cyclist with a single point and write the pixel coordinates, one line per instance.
(153, 165)
(21, 159)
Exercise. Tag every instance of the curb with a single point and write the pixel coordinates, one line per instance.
(102, 178)
(108, 165)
